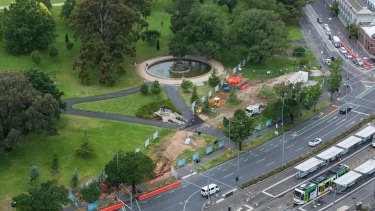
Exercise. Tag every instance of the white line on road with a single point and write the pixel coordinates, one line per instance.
(189, 175)
(270, 163)
(361, 113)
(228, 175)
(350, 124)
(332, 119)
(220, 200)
(289, 146)
(260, 160)
(299, 149)
(187, 200)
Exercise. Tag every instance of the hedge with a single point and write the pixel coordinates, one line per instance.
(309, 154)
(147, 111)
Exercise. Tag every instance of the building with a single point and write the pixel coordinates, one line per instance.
(351, 11)
(370, 4)
(366, 36)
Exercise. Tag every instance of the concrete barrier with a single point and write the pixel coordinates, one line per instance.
(158, 191)
(113, 207)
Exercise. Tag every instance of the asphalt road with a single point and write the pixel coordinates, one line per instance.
(269, 156)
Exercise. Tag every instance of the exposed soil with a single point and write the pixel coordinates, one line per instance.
(174, 145)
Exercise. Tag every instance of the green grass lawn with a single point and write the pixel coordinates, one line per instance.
(7, 2)
(127, 105)
(294, 33)
(107, 137)
(201, 90)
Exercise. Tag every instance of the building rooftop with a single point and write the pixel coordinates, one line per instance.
(365, 11)
(369, 30)
(355, 5)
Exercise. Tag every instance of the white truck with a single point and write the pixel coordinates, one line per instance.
(254, 109)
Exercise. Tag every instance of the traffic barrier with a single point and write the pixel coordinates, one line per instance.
(113, 207)
(158, 191)
(227, 194)
(354, 56)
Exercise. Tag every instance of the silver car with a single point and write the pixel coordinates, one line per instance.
(343, 50)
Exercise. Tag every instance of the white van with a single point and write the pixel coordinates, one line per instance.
(327, 29)
(209, 190)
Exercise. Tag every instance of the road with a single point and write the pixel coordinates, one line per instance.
(268, 156)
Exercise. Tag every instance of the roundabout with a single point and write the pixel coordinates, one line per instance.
(169, 70)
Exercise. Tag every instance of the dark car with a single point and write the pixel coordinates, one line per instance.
(345, 109)
(320, 20)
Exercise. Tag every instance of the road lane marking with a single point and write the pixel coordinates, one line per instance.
(228, 175)
(189, 175)
(361, 113)
(289, 146)
(332, 119)
(220, 200)
(299, 149)
(270, 163)
(260, 160)
(350, 124)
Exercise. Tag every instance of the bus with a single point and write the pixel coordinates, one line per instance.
(318, 185)
(336, 41)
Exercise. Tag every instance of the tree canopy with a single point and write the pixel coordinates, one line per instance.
(179, 11)
(130, 168)
(258, 33)
(107, 32)
(27, 26)
(335, 78)
(240, 127)
(49, 196)
(23, 109)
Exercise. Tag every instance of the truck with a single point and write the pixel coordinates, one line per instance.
(336, 41)
(254, 109)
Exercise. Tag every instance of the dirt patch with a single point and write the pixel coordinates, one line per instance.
(174, 145)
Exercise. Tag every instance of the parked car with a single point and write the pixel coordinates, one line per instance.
(328, 61)
(209, 190)
(345, 109)
(315, 142)
(320, 20)
(348, 56)
(358, 62)
(343, 50)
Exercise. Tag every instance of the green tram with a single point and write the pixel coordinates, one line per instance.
(319, 185)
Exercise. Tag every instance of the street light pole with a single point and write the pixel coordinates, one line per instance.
(282, 122)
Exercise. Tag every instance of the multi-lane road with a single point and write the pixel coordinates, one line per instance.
(269, 156)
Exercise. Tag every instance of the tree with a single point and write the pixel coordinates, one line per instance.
(144, 89)
(74, 180)
(108, 29)
(273, 5)
(313, 95)
(35, 57)
(258, 33)
(353, 30)
(91, 192)
(155, 88)
(194, 95)
(24, 110)
(299, 51)
(179, 11)
(240, 127)
(229, 3)
(158, 45)
(85, 150)
(206, 107)
(55, 163)
(150, 36)
(49, 196)
(66, 38)
(203, 33)
(335, 7)
(67, 9)
(214, 79)
(53, 52)
(335, 78)
(43, 83)
(34, 174)
(26, 27)
(131, 168)
(186, 85)
(46, 3)
(69, 46)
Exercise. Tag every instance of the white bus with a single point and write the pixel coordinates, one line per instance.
(336, 41)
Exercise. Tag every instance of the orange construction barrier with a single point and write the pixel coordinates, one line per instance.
(234, 79)
(353, 55)
(158, 191)
(113, 207)
(245, 86)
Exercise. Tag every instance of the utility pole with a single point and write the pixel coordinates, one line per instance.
(282, 122)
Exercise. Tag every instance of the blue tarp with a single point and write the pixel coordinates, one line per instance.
(71, 197)
(181, 163)
(268, 122)
(208, 150)
(92, 206)
(220, 144)
(196, 156)
(259, 127)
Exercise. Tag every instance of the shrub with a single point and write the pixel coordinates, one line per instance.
(186, 85)
(299, 51)
(85, 150)
(53, 52)
(214, 80)
(303, 61)
(147, 111)
(69, 45)
(144, 89)
(35, 57)
(194, 95)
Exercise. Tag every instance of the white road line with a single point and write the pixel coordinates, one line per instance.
(220, 200)
(299, 149)
(279, 182)
(250, 208)
(189, 175)
(289, 146)
(318, 131)
(332, 119)
(239, 209)
(260, 160)
(350, 124)
(270, 163)
(268, 194)
(228, 175)
(361, 113)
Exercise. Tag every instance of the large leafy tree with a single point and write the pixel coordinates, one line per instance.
(27, 26)
(49, 196)
(258, 33)
(68, 8)
(313, 95)
(23, 109)
(130, 168)
(240, 127)
(294, 10)
(203, 33)
(335, 78)
(229, 3)
(179, 11)
(105, 28)
(91, 192)
(43, 83)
